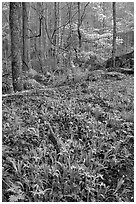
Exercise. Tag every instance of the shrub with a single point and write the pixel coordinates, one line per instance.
(32, 84)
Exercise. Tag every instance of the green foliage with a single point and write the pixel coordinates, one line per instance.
(6, 88)
(32, 84)
(6, 83)
(96, 158)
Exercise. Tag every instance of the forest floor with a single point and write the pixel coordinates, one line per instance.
(94, 124)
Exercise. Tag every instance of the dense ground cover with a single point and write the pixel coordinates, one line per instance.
(94, 124)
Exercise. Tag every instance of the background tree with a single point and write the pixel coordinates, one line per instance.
(29, 34)
(70, 33)
(25, 37)
(114, 34)
(16, 45)
(79, 24)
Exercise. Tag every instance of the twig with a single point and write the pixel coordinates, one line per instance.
(27, 93)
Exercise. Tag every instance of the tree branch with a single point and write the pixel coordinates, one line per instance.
(82, 16)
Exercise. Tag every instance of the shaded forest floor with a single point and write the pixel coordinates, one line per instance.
(94, 125)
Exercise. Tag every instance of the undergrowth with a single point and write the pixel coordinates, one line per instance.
(94, 125)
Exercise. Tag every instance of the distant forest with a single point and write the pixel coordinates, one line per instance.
(44, 37)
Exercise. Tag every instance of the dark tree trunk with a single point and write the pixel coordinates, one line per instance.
(25, 37)
(55, 36)
(114, 34)
(16, 45)
(79, 24)
(55, 27)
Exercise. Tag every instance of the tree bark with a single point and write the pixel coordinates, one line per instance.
(70, 33)
(55, 28)
(29, 34)
(16, 45)
(43, 35)
(79, 24)
(114, 34)
(25, 37)
(60, 36)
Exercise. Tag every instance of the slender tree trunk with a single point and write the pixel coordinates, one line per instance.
(79, 24)
(104, 10)
(58, 24)
(70, 33)
(39, 39)
(29, 34)
(55, 35)
(25, 37)
(59, 35)
(49, 28)
(43, 35)
(114, 34)
(16, 45)
(55, 27)
(46, 22)
(62, 31)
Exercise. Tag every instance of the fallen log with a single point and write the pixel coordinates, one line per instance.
(126, 60)
(127, 71)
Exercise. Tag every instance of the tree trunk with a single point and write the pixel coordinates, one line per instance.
(16, 45)
(104, 11)
(79, 24)
(55, 35)
(46, 23)
(25, 37)
(49, 27)
(39, 39)
(70, 33)
(60, 36)
(43, 35)
(29, 34)
(114, 34)
(55, 28)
